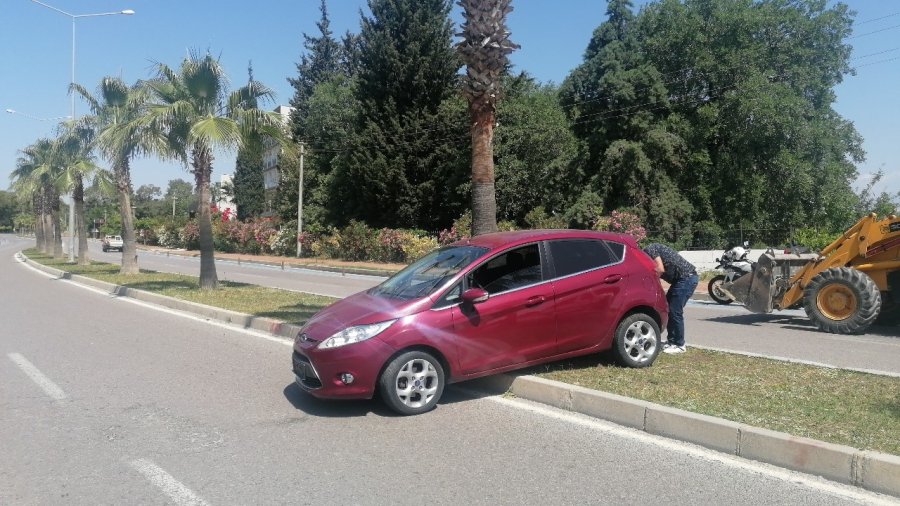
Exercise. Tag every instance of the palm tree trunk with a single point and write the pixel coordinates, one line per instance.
(202, 162)
(78, 197)
(484, 202)
(129, 244)
(47, 219)
(56, 226)
(37, 207)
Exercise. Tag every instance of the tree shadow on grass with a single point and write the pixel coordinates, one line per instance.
(296, 314)
(892, 408)
(160, 285)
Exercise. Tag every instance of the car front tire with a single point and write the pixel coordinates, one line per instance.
(412, 383)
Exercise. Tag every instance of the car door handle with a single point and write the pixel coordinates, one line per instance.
(534, 301)
(612, 278)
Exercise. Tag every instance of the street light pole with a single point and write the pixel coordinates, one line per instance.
(300, 203)
(13, 111)
(73, 17)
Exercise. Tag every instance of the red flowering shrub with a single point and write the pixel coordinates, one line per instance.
(623, 222)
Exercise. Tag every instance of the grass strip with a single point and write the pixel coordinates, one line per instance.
(834, 405)
(838, 406)
(288, 306)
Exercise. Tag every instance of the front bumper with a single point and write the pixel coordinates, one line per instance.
(319, 371)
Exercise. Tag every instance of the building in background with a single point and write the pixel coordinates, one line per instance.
(272, 162)
(225, 195)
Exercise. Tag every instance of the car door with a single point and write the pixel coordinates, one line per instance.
(590, 290)
(517, 323)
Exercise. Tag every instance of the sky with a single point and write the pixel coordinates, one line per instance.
(36, 51)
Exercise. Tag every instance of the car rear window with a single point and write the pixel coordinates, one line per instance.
(618, 250)
(579, 255)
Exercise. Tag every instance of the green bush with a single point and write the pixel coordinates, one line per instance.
(328, 245)
(814, 239)
(388, 246)
(284, 242)
(357, 241)
(168, 236)
(540, 218)
(416, 246)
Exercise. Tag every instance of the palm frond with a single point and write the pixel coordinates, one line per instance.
(218, 132)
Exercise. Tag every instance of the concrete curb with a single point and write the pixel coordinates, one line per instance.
(878, 472)
(272, 326)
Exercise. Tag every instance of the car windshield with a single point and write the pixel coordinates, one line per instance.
(429, 273)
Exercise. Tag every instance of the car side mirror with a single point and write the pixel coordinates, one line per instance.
(474, 296)
(717, 260)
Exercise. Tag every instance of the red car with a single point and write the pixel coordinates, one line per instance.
(482, 306)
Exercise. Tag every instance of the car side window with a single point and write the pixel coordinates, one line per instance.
(508, 271)
(579, 255)
(618, 250)
(453, 296)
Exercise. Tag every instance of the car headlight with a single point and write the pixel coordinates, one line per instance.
(356, 334)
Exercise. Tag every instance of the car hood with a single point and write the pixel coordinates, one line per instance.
(360, 309)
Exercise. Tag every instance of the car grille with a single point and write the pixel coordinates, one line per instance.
(306, 373)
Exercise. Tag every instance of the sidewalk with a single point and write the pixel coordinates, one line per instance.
(878, 472)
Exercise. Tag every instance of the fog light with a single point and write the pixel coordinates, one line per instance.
(347, 378)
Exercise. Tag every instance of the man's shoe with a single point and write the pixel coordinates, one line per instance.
(673, 349)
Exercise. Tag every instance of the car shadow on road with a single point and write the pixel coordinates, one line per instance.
(329, 408)
(790, 322)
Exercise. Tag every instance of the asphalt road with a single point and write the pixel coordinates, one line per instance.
(785, 334)
(333, 284)
(104, 400)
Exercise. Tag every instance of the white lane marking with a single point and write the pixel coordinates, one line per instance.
(813, 482)
(178, 493)
(49, 387)
(797, 361)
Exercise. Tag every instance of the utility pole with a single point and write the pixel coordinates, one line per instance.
(300, 202)
(173, 206)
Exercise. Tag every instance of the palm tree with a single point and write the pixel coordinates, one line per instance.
(194, 114)
(28, 192)
(37, 173)
(72, 151)
(485, 49)
(115, 109)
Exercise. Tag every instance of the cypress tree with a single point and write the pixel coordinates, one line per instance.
(322, 61)
(402, 167)
(248, 178)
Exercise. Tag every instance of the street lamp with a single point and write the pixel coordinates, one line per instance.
(73, 17)
(13, 111)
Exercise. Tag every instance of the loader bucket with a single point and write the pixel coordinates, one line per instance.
(754, 290)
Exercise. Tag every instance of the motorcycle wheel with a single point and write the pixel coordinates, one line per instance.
(715, 293)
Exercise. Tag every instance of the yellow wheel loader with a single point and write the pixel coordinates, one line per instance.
(843, 289)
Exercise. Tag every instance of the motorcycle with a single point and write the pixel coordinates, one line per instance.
(735, 264)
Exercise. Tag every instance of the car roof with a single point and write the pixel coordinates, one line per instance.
(501, 240)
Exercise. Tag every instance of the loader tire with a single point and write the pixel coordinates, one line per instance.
(842, 300)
